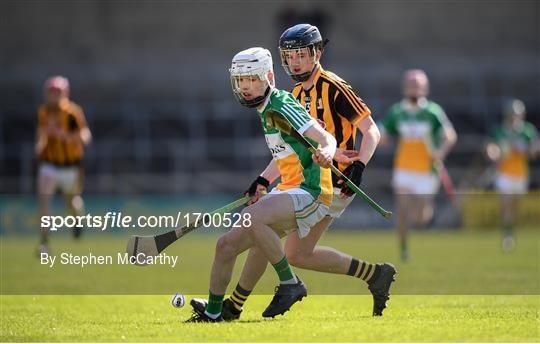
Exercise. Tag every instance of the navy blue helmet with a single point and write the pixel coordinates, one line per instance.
(298, 37)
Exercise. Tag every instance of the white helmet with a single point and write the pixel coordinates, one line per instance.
(251, 62)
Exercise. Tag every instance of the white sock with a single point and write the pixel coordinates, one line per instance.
(293, 280)
(213, 316)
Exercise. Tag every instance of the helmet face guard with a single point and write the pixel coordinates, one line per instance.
(249, 76)
(304, 55)
(254, 86)
(301, 39)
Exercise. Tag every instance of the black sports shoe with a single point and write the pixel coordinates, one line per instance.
(228, 312)
(197, 317)
(286, 296)
(380, 288)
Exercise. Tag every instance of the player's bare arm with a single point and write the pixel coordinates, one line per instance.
(259, 186)
(448, 137)
(534, 152)
(271, 172)
(370, 139)
(371, 136)
(41, 140)
(325, 153)
(78, 130)
(85, 135)
(493, 151)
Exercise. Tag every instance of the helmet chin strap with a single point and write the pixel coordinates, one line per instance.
(259, 100)
(304, 76)
(267, 93)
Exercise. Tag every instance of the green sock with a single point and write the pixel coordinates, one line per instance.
(284, 270)
(403, 246)
(215, 303)
(508, 230)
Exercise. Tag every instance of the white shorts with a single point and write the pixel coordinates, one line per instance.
(417, 183)
(308, 211)
(508, 185)
(52, 177)
(339, 204)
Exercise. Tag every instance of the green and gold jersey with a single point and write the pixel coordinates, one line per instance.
(294, 161)
(514, 144)
(417, 130)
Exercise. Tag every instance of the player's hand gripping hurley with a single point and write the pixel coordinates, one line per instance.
(276, 120)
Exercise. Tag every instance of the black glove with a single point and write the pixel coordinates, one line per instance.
(253, 187)
(354, 173)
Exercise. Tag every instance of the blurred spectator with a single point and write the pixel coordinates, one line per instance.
(61, 136)
(510, 146)
(425, 136)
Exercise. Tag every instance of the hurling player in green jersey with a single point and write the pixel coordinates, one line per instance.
(424, 136)
(300, 200)
(510, 146)
(328, 98)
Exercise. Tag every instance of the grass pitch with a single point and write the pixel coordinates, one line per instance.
(457, 287)
(316, 319)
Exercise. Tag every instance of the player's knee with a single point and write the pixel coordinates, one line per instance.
(225, 247)
(296, 257)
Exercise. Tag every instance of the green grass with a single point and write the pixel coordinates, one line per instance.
(457, 287)
(441, 263)
(317, 318)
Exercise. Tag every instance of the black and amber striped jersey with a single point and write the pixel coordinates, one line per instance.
(69, 118)
(333, 101)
